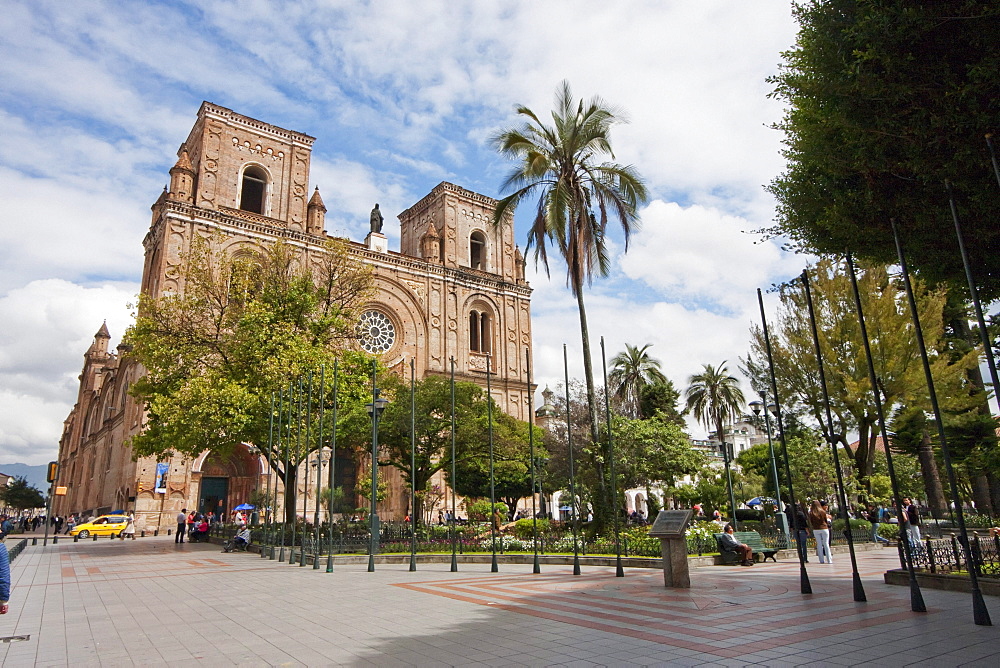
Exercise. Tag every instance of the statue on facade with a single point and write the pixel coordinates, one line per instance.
(376, 220)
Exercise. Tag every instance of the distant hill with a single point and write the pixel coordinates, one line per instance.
(34, 474)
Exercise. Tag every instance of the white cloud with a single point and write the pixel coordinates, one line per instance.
(699, 254)
(51, 323)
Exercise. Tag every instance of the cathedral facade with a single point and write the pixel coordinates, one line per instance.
(455, 289)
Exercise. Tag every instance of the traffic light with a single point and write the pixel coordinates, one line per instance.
(139, 488)
(53, 472)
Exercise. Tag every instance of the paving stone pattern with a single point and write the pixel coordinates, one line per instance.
(151, 602)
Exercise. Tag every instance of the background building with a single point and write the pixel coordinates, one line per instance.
(456, 288)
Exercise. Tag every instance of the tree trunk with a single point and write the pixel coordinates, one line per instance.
(981, 492)
(994, 482)
(932, 479)
(290, 481)
(600, 500)
(980, 484)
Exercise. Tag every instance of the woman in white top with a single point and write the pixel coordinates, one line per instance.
(129, 530)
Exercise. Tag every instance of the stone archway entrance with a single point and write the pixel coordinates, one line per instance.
(226, 483)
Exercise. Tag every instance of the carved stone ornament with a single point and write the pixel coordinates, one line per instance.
(477, 362)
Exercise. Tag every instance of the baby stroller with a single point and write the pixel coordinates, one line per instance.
(239, 542)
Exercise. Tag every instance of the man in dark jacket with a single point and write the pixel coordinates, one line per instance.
(729, 543)
(797, 525)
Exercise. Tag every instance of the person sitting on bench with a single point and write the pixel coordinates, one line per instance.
(730, 544)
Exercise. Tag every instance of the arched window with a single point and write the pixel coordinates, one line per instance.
(480, 332)
(253, 189)
(477, 251)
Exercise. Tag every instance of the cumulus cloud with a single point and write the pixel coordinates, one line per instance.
(51, 323)
(698, 254)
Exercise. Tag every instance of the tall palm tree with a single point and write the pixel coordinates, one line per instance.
(576, 196)
(632, 370)
(714, 397)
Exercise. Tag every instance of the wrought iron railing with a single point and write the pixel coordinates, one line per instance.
(947, 555)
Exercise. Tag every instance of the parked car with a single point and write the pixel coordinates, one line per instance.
(105, 525)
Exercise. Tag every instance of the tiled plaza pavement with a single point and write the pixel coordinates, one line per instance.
(152, 602)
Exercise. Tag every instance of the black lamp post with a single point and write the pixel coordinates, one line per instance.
(756, 407)
(375, 409)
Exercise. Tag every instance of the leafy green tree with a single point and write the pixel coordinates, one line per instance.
(661, 398)
(432, 421)
(21, 495)
(511, 462)
(813, 473)
(576, 197)
(242, 329)
(652, 452)
(886, 101)
(757, 460)
(715, 398)
(632, 371)
(893, 344)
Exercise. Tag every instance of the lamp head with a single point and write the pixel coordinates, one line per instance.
(755, 406)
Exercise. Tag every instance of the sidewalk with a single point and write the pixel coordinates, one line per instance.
(152, 602)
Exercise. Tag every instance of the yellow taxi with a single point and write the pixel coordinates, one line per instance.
(105, 525)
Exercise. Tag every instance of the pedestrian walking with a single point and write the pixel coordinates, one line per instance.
(818, 522)
(799, 526)
(912, 515)
(875, 515)
(129, 530)
(181, 525)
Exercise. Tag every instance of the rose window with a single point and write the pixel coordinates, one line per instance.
(377, 332)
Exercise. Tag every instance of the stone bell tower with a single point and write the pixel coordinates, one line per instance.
(241, 164)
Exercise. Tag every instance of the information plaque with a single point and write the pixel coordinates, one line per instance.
(670, 523)
(669, 528)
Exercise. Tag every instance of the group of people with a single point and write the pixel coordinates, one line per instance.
(818, 523)
(197, 525)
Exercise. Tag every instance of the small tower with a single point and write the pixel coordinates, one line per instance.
(316, 215)
(182, 178)
(519, 265)
(546, 414)
(431, 244)
(99, 348)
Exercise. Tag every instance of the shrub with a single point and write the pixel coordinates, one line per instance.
(479, 511)
(524, 528)
(838, 525)
(749, 515)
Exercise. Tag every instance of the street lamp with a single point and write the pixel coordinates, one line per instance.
(375, 409)
(756, 407)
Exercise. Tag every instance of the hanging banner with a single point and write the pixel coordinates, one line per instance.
(161, 478)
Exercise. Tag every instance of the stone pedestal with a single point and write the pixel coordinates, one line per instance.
(377, 242)
(669, 528)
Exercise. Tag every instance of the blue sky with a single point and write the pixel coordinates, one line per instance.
(97, 96)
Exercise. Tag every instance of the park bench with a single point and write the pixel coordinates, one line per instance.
(751, 538)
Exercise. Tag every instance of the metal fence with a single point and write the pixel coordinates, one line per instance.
(354, 538)
(947, 555)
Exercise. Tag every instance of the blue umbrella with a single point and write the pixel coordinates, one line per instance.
(759, 500)
(244, 506)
